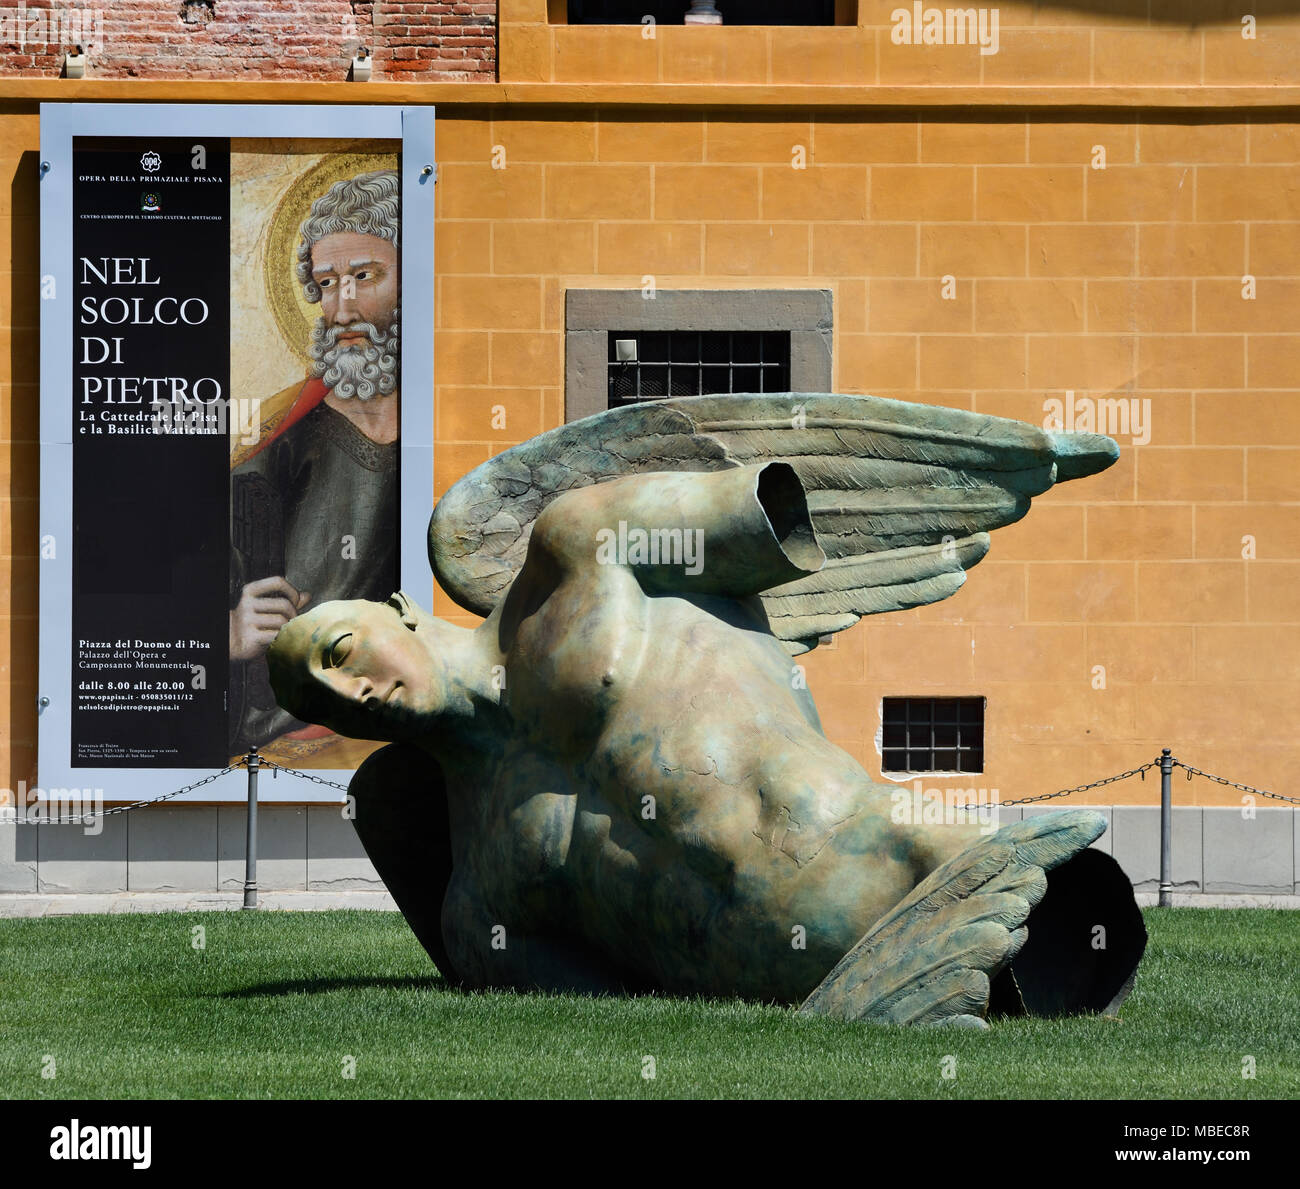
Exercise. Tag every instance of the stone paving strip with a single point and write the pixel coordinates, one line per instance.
(36, 904)
(29, 904)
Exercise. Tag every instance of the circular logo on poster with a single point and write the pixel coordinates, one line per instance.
(150, 201)
(151, 162)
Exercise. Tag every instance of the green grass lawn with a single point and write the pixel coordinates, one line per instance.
(273, 1005)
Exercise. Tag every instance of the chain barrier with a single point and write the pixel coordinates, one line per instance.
(242, 762)
(189, 788)
(1232, 784)
(303, 775)
(1139, 771)
(1083, 788)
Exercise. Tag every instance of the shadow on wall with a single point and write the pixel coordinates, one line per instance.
(1172, 12)
(1188, 13)
(22, 433)
(1155, 12)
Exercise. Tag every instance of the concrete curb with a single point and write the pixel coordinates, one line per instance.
(24, 904)
(80, 903)
(1218, 900)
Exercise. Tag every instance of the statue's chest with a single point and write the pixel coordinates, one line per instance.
(572, 661)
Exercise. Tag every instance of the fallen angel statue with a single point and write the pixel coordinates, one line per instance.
(618, 782)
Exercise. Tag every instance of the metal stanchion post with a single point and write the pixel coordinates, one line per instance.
(250, 851)
(1166, 827)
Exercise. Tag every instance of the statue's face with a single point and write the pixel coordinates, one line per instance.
(357, 275)
(357, 667)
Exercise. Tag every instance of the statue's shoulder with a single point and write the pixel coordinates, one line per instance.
(565, 526)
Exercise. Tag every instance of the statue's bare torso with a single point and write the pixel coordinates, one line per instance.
(665, 786)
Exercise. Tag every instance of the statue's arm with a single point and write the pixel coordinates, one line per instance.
(734, 532)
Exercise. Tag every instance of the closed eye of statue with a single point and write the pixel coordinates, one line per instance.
(337, 652)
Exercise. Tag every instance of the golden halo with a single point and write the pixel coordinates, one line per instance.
(294, 314)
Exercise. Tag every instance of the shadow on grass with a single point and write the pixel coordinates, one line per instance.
(320, 986)
(437, 983)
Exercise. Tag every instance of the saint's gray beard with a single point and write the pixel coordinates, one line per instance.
(362, 372)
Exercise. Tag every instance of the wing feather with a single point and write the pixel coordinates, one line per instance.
(900, 495)
(931, 958)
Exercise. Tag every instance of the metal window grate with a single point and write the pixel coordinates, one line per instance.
(933, 735)
(693, 363)
(671, 12)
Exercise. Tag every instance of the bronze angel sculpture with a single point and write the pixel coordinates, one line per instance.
(616, 782)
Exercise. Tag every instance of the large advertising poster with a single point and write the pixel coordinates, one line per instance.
(237, 435)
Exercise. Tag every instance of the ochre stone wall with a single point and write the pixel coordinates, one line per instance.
(1117, 283)
(1089, 42)
(1121, 245)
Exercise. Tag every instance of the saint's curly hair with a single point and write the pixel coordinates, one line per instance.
(367, 204)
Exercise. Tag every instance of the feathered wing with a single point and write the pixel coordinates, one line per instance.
(478, 535)
(932, 958)
(901, 495)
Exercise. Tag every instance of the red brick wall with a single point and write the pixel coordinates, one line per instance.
(245, 39)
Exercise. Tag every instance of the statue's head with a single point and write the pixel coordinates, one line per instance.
(348, 263)
(362, 669)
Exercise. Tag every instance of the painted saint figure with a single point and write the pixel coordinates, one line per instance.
(617, 781)
(314, 508)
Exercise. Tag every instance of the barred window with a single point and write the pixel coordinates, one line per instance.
(622, 346)
(652, 364)
(932, 734)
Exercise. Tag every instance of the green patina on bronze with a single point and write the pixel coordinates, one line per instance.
(618, 780)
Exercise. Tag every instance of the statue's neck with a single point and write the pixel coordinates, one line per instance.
(473, 727)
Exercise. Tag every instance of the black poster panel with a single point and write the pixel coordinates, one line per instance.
(150, 474)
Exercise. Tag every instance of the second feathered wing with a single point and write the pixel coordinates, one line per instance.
(932, 957)
(901, 495)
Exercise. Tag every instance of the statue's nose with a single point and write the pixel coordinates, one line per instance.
(363, 691)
